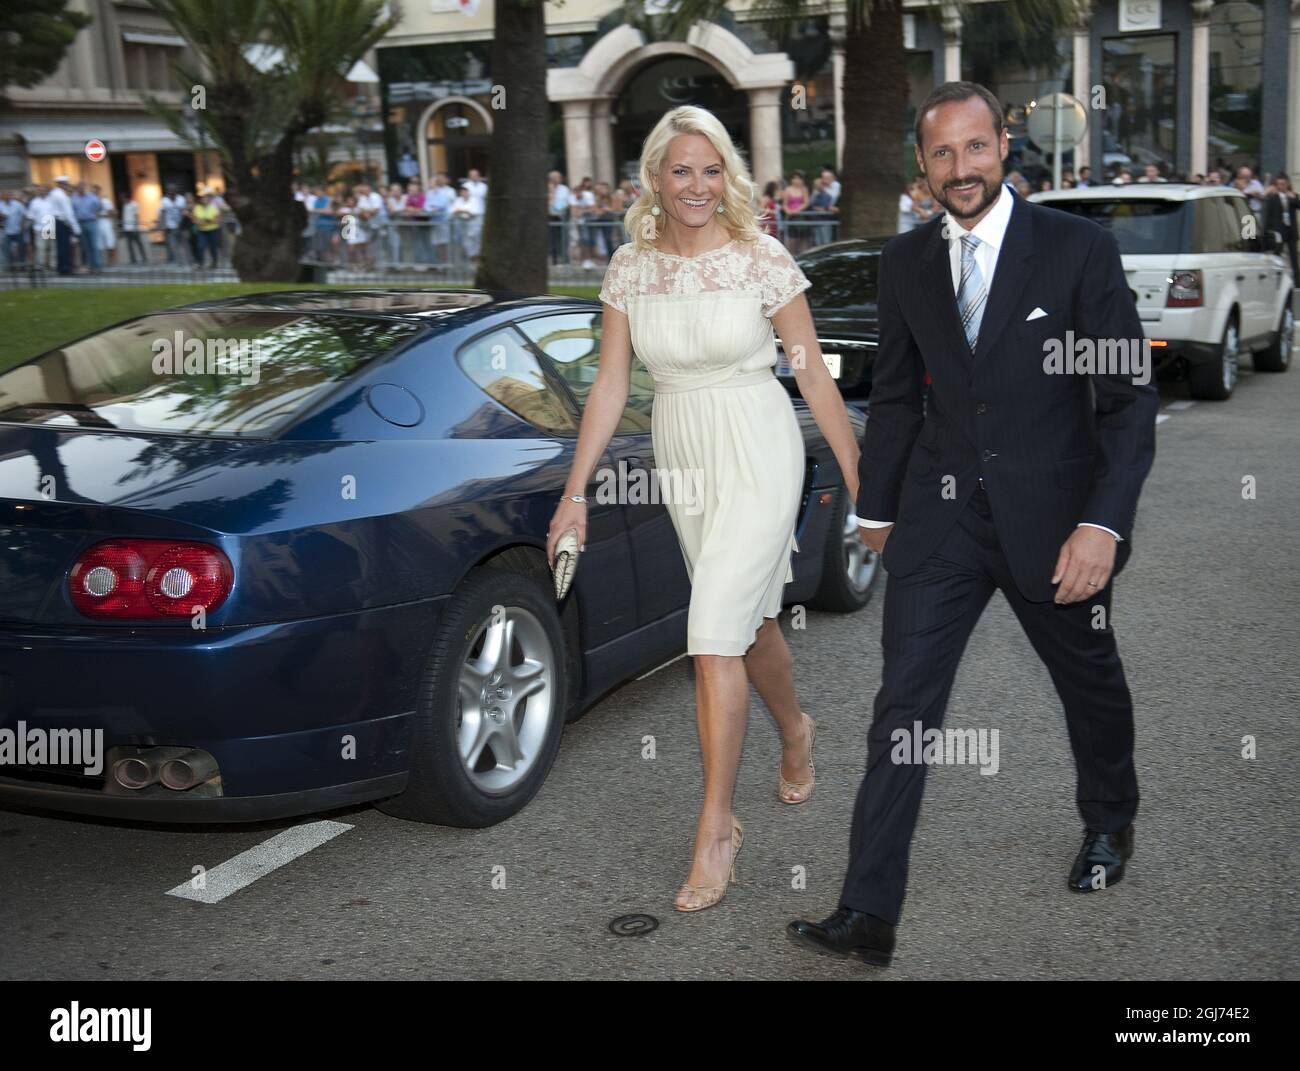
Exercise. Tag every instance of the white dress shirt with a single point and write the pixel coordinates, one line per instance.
(59, 205)
(478, 191)
(991, 230)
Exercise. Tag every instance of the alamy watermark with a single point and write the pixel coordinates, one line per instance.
(181, 356)
(75, 1023)
(1098, 356)
(945, 747)
(35, 746)
(625, 485)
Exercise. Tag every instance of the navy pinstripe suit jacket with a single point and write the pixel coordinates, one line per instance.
(1054, 447)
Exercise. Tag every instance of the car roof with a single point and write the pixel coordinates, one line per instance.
(1164, 191)
(841, 245)
(414, 305)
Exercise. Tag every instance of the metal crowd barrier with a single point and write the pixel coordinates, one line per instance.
(380, 251)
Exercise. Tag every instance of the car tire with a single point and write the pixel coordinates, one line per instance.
(1214, 380)
(848, 573)
(1277, 358)
(469, 681)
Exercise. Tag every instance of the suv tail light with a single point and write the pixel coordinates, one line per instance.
(149, 578)
(1185, 290)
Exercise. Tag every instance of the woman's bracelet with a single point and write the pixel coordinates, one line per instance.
(574, 498)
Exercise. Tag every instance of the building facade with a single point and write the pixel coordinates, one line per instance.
(1185, 84)
(128, 51)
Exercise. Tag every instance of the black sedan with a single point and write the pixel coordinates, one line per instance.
(843, 302)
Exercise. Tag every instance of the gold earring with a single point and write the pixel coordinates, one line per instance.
(654, 209)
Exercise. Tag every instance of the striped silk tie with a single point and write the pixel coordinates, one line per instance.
(971, 292)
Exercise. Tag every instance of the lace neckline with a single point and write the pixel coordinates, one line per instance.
(698, 256)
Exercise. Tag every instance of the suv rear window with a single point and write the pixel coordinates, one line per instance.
(1139, 225)
(223, 374)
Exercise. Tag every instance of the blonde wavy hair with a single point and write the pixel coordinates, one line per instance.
(739, 190)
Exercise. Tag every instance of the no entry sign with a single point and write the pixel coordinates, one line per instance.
(95, 150)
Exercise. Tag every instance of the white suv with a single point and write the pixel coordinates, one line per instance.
(1206, 292)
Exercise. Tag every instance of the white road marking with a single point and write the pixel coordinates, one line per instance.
(245, 868)
(1176, 406)
(1161, 417)
(658, 668)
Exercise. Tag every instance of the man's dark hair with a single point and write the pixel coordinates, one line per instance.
(952, 92)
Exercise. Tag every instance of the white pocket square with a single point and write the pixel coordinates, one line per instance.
(1037, 314)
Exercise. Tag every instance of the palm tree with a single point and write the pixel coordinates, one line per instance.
(875, 90)
(270, 71)
(34, 37)
(513, 254)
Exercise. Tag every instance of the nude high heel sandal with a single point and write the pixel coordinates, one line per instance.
(708, 895)
(803, 788)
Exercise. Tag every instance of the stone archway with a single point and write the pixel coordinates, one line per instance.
(422, 131)
(588, 92)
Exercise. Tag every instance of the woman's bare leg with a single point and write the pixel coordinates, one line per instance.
(722, 703)
(771, 668)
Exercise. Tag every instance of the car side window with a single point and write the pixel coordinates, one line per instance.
(572, 341)
(510, 372)
(1207, 233)
(1238, 216)
(1231, 224)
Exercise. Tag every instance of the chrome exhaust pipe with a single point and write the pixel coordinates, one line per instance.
(187, 770)
(142, 770)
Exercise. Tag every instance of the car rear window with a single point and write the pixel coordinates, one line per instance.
(843, 280)
(224, 374)
(1150, 225)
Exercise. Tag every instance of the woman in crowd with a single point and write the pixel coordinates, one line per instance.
(794, 201)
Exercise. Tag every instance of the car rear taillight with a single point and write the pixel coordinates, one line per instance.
(1185, 290)
(149, 578)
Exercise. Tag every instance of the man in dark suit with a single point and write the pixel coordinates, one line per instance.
(1021, 473)
(1280, 209)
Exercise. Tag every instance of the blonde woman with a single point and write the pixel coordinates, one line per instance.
(696, 293)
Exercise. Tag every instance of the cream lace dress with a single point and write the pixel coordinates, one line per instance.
(721, 422)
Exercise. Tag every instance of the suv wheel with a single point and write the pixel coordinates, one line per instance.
(1215, 379)
(1277, 358)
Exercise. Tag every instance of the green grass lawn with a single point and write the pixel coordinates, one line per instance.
(40, 319)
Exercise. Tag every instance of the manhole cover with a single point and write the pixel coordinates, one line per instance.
(633, 925)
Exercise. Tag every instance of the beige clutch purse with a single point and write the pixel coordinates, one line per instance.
(566, 562)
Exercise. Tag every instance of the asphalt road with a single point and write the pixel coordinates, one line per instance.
(1208, 619)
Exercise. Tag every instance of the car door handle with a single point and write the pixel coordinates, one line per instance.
(1240, 278)
(1263, 275)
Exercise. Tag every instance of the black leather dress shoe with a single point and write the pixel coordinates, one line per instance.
(1106, 850)
(847, 933)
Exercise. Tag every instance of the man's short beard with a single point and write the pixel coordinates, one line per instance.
(990, 195)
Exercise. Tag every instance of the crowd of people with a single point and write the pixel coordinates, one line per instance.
(587, 220)
(76, 230)
(411, 224)
(1272, 199)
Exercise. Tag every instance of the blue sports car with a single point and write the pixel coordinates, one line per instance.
(286, 552)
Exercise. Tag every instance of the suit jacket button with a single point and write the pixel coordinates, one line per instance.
(988, 455)
(980, 407)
